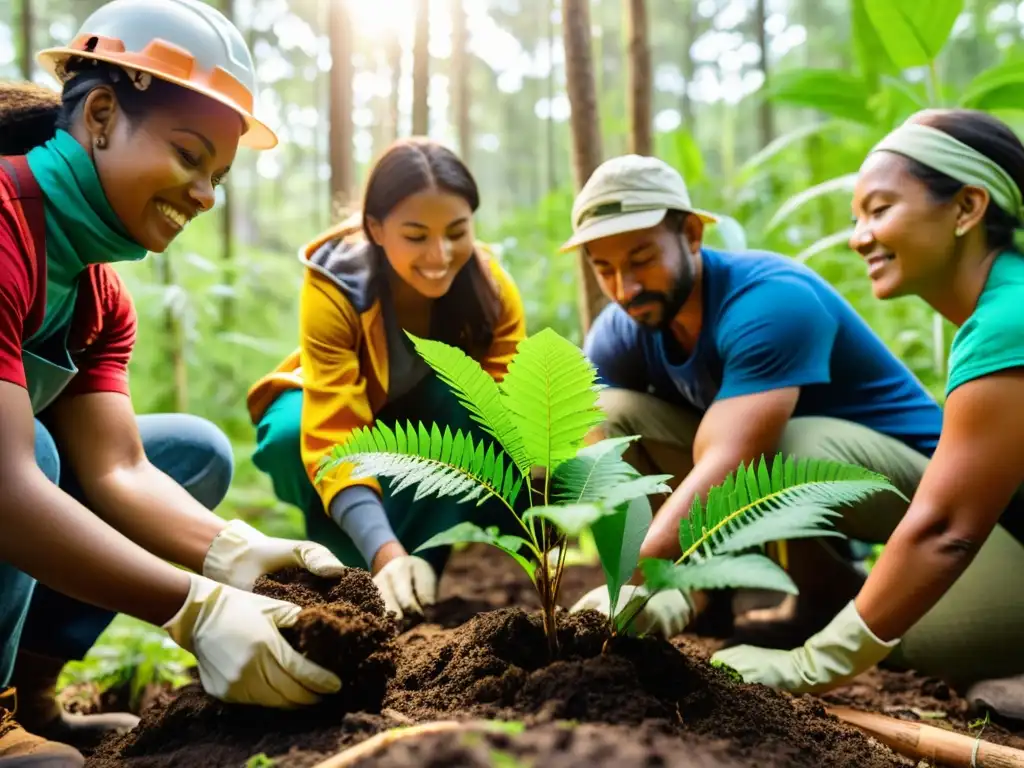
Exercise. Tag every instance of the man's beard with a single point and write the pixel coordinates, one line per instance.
(672, 301)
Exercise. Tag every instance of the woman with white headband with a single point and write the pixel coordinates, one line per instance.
(936, 207)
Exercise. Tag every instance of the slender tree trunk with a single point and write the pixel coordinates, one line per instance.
(394, 106)
(586, 132)
(421, 71)
(689, 34)
(227, 233)
(174, 335)
(639, 87)
(27, 44)
(459, 83)
(766, 117)
(550, 124)
(340, 136)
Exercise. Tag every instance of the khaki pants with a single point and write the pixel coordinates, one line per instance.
(975, 632)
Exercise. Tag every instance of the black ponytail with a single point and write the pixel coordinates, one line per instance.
(28, 116)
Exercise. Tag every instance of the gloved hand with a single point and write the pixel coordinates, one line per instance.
(407, 584)
(240, 554)
(666, 614)
(835, 655)
(241, 654)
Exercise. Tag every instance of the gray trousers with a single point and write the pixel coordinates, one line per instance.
(976, 630)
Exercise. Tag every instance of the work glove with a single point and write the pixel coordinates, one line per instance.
(832, 657)
(240, 554)
(666, 614)
(407, 584)
(242, 656)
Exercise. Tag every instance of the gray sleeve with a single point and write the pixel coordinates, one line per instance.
(359, 512)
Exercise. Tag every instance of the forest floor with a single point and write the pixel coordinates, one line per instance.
(482, 656)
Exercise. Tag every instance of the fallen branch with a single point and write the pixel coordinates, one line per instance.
(926, 742)
(353, 755)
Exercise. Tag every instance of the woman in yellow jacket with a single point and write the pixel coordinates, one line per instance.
(409, 263)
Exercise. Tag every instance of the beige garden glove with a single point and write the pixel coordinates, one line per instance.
(666, 614)
(241, 654)
(240, 554)
(835, 655)
(407, 584)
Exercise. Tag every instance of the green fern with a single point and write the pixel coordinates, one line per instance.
(750, 508)
(550, 392)
(477, 391)
(795, 500)
(436, 463)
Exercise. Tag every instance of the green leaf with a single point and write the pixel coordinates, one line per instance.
(835, 92)
(550, 392)
(571, 519)
(422, 464)
(640, 487)
(475, 389)
(867, 45)
(618, 537)
(844, 183)
(470, 533)
(836, 240)
(750, 571)
(593, 471)
(913, 32)
(756, 515)
(786, 141)
(996, 88)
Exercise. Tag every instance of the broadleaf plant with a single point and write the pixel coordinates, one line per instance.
(538, 423)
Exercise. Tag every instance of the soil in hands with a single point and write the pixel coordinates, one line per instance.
(342, 626)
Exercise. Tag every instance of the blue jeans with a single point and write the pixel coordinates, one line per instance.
(191, 450)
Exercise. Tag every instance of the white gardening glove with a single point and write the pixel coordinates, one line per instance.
(240, 554)
(832, 657)
(407, 584)
(241, 653)
(666, 614)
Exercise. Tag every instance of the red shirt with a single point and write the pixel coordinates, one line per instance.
(104, 320)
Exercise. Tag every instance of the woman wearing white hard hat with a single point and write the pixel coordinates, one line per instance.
(157, 97)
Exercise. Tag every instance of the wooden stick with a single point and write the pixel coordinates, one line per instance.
(352, 755)
(926, 742)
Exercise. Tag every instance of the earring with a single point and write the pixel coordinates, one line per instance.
(101, 142)
(959, 232)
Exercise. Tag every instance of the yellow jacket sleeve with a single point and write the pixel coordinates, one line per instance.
(510, 328)
(335, 401)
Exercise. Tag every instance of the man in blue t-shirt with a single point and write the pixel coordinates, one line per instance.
(717, 358)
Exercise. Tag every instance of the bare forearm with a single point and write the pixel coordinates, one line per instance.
(50, 536)
(154, 511)
(663, 536)
(920, 562)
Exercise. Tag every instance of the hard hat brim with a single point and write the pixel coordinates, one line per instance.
(257, 134)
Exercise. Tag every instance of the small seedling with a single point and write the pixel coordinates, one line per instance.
(732, 673)
(260, 761)
(541, 418)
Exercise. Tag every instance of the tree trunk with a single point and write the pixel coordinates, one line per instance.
(227, 232)
(340, 137)
(421, 71)
(586, 132)
(394, 106)
(552, 163)
(27, 46)
(766, 121)
(460, 65)
(639, 82)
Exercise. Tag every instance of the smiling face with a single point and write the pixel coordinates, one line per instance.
(649, 272)
(904, 234)
(160, 170)
(427, 238)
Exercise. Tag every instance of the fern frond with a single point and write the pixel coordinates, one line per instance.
(795, 500)
(593, 471)
(751, 571)
(441, 464)
(477, 391)
(550, 391)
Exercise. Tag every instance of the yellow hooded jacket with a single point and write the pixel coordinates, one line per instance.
(342, 359)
